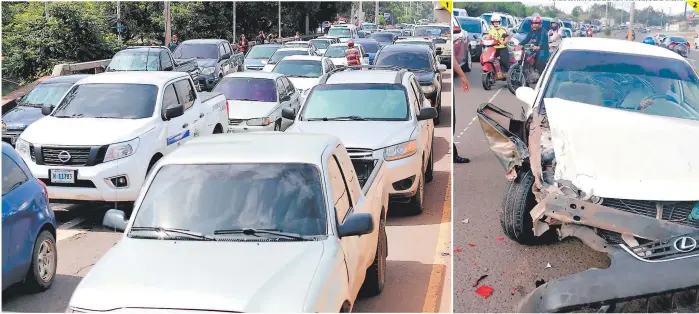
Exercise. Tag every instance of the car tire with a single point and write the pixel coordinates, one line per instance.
(468, 65)
(416, 204)
(218, 129)
(42, 270)
(437, 103)
(376, 273)
(278, 125)
(515, 219)
(429, 172)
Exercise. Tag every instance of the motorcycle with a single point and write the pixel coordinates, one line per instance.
(523, 71)
(492, 71)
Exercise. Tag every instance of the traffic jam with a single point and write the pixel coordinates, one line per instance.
(303, 160)
(579, 147)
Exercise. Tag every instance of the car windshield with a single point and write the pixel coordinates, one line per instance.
(369, 46)
(526, 26)
(299, 68)
(46, 94)
(383, 37)
(678, 39)
(369, 26)
(115, 100)
(203, 198)
(503, 20)
(414, 60)
(471, 26)
(320, 43)
(199, 51)
(135, 60)
(247, 89)
(365, 101)
(648, 84)
(433, 31)
(341, 32)
(335, 52)
(261, 52)
(280, 54)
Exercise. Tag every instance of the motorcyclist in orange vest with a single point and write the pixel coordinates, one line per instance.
(352, 55)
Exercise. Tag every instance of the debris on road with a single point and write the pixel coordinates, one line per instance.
(445, 253)
(485, 291)
(457, 250)
(539, 282)
(501, 239)
(475, 284)
(465, 221)
(471, 245)
(548, 265)
(518, 289)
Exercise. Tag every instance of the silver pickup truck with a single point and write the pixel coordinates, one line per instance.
(302, 231)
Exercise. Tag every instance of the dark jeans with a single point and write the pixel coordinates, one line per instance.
(504, 55)
(453, 127)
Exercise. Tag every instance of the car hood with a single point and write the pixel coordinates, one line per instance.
(360, 134)
(195, 275)
(620, 154)
(254, 62)
(338, 61)
(424, 77)
(84, 131)
(203, 63)
(304, 83)
(18, 118)
(249, 109)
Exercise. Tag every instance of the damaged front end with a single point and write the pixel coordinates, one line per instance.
(653, 245)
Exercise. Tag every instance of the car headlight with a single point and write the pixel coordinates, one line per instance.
(427, 89)
(400, 151)
(259, 121)
(208, 70)
(22, 147)
(121, 150)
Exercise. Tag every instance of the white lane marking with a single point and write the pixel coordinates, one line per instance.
(72, 223)
(66, 234)
(496, 94)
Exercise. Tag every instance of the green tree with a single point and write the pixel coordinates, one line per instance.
(576, 13)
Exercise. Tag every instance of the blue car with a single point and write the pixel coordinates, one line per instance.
(371, 46)
(29, 252)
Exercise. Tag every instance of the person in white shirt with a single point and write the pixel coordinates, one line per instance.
(555, 37)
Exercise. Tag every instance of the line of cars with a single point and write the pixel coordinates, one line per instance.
(677, 44)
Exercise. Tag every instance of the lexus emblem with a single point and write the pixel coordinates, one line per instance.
(685, 244)
(64, 156)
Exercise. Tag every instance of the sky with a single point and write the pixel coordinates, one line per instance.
(675, 7)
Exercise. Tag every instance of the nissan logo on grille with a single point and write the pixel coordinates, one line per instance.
(685, 244)
(64, 156)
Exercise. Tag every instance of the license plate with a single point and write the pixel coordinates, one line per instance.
(62, 176)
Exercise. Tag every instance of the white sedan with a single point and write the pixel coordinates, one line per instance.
(304, 71)
(284, 52)
(336, 54)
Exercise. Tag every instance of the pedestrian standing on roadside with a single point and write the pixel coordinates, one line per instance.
(243, 43)
(464, 86)
(297, 36)
(173, 43)
(260, 39)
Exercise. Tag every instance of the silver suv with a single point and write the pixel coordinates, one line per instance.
(378, 113)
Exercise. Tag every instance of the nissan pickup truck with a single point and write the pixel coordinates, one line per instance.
(153, 58)
(109, 129)
(299, 232)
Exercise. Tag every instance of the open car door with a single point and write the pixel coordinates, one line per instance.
(503, 133)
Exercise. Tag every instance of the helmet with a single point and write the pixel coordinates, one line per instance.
(496, 18)
(350, 44)
(649, 40)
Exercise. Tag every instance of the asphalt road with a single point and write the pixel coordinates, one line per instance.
(418, 266)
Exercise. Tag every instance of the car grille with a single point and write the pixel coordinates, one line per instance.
(235, 121)
(360, 153)
(78, 184)
(662, 250)
(678, 212)
(78, 156)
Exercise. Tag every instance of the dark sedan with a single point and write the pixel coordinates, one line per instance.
(421, 61)
(476, 28)
(680, 45)
(257, 54)
(384, 38)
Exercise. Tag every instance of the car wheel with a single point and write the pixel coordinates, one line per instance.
(218, 129)
(429, 173)
(515, 219)
(376, 273)
(468, 64)
(278, 125)
(415, 205)
(44, 261)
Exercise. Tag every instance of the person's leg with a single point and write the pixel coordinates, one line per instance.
(457, 159)
(504, 59)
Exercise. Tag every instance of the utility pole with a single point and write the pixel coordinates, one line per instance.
(118, 21)
(167, 23)
(631, 21)
(234, 25)
(376, 13)
(46, 9)
(360, 14)
(279, 17)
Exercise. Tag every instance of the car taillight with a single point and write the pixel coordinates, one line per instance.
(688, 46)
(46, 189)
(672, 45)
(227, 109)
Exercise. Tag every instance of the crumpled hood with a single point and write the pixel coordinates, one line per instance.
(203, 63)
(84, 131)
(240, 109)
(21, 116)
(216, 276)
(304, 83)
(359, 134)
(629, 155)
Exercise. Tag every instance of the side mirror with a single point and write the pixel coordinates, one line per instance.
(526, 94)
(427, 113)
(174, 111)
(442, 67)
(285, 97)
(168, 68)
(115, 219)
(47, 109)
(288, 113)
(356, 224)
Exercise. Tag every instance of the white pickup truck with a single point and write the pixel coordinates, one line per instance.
(109, 129)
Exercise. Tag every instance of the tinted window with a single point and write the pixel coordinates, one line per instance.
(135, 60)
(335, 52)
(383, 37)
(414, 60)
(185, 93)
(278, 55)
(626, 82)
(568, 25)
(320, 43)
(340, 194)
(169, 97)
(300, 68)
(433, 31)
(165, 60)
(12, 175)
(251, 89)
(370, 47)
(471, 26)
(45, 94)
(340, 32)
(227, 47)
(261, 52)
(199, 51)
(117, 100)
(368, 101)
(205, 198)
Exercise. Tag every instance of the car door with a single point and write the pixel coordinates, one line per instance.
(293, 93)
(365, 60)
(179, 129)
(223, 62)
(416, 103)
(343, 205)
(194, 111)
(17, 216)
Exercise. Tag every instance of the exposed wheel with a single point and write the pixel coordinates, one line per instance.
(218, 129)
(485, 79)
(376, 273)
(437, 104)
(514, 78)
(429, 173)
(44, 261)
(278, 125)
(415, 206)
(468, 64)
(515, 220)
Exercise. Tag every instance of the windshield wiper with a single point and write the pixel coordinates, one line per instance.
(75, 115)
(195, 235)
(252, 231)
(353, 118)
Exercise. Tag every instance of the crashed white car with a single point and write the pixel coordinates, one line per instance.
(605, 149)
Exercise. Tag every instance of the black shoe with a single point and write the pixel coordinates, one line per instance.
(461, 160)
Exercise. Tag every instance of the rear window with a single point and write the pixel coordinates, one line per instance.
(199, 51)
(383, 37)
(248, 89)
(320, 43)
(412, 60)
(678, 39)
(471, 26)
(116, 101)
(335, 52)
(139, 60)
(366, 101)
(278, 55)
(433, 31)
(261, 52)
(503, 19)
(299, 68)
(370, 47)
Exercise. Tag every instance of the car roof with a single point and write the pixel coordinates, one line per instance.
(292, 49)
(595, 44)
(414, 38)
(256, 74)
(255, 147)
(434, 25)
(366, 40)
(469, 18)
(406, 48)
(159, 78)
(363, 77)
(296, 42)
(267, 45)
(204, 41)
(298, 58)
(65, 78)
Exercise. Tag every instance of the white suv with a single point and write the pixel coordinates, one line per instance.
(380, 113)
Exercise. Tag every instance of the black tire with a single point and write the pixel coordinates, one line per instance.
(218, 129)
(515, 69)
(278, 125)
(376, 273)
(515, 220)
(468, 64)
(429, 172)
(416, 204)
(437, 103)
(42, 270)
(485, 79)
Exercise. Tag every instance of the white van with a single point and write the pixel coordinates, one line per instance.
(460, 12)
(345, 32)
